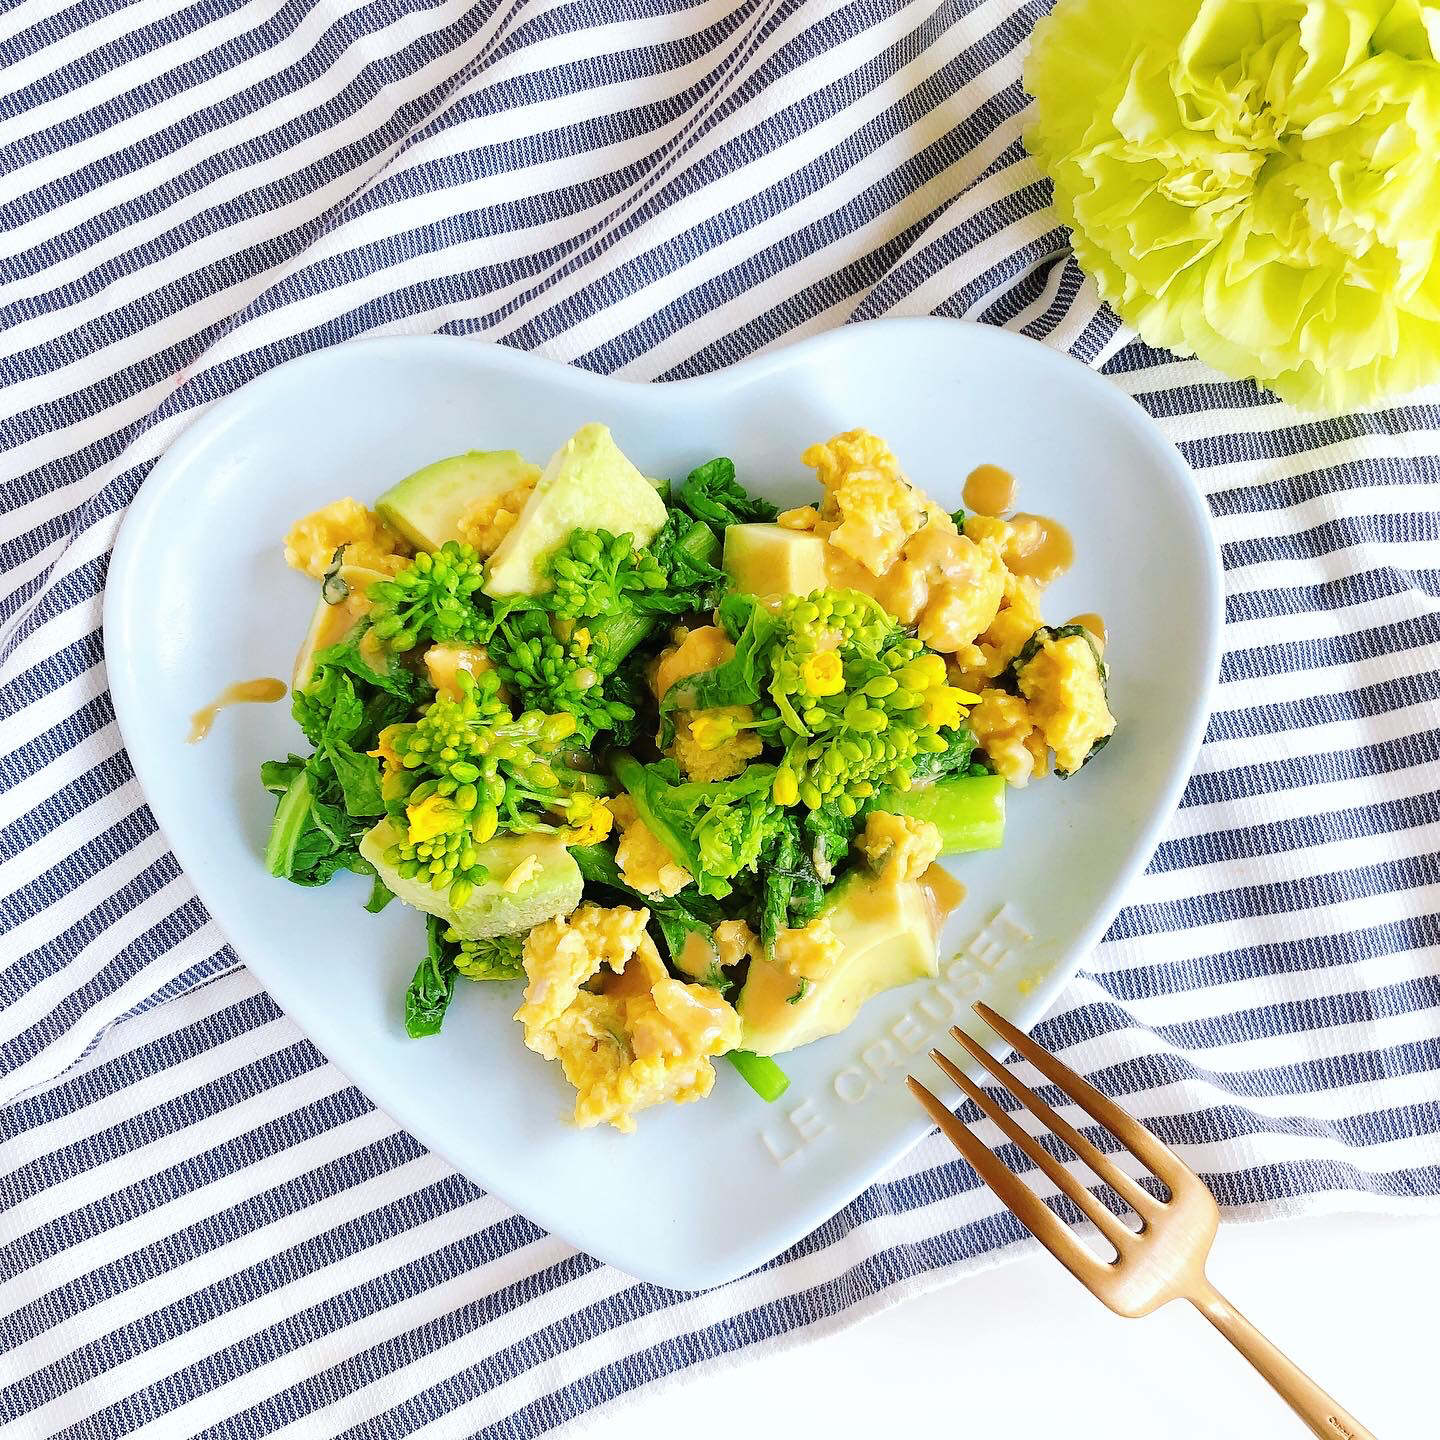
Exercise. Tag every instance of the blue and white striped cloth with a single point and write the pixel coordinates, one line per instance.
(204, 1229)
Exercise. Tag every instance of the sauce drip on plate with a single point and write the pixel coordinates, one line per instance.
(989, 490)
(244, 692)
(943, 891)
(1049, 552)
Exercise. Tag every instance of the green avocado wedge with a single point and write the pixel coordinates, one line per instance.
(426, 507)
(888, 934)
(587, 485)
(490, 909)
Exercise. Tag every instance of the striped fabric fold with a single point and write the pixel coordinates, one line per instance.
(205, 1230)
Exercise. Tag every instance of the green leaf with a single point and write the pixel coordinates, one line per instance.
(711, 493)
(292, 820)
(686, 549)
(346, 697)
(433, 986)
(276, 775)
(714, 830)
(359, 778)
(740, 680)
(380, 895)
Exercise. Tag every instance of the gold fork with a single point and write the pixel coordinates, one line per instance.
(1165, 1259)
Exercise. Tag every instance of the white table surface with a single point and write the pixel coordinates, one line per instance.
(1353, 1299)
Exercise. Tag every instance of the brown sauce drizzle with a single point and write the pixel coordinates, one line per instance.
(243, 692)
(989, 490)
(943, 890)
(1051, 553)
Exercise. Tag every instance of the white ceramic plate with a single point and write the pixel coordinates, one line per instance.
(199, 596)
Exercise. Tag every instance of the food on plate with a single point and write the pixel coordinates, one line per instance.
(677, 765)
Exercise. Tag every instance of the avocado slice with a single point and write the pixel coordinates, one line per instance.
(426, 507)
(770, 560)
(888, 933)
(588, 485)
(491, 909)
(331, 623)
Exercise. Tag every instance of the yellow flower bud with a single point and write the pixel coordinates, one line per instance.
(823, 674)
(786, 789)
(430, 817)
(942, 707)
(710, 729)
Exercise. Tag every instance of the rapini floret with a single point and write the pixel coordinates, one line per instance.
(466, 765)
(430, 600)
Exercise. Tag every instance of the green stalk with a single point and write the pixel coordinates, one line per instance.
(968, 810)
(634, 777)
(289, 824)
(615, 636)
(761, 1074)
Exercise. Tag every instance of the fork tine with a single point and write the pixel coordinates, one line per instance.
(1012, 1192)
(1153, 1153)
(1131, 1191)
(1106, 1221)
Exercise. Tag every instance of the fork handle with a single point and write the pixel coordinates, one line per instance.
(1292, 1384)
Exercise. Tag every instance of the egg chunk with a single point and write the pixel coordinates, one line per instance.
(898, 847)
(1005, 730)
(1063, 688)
(645, 863)
(627, 1034)
(366, 539)
(713, 744)
(870, 509)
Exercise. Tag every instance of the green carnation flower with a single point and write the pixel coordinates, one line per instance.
(1255, 182)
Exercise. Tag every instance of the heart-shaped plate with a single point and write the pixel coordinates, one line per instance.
(199, 596)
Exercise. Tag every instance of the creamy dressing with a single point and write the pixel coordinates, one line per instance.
(1093, 623)
(943, 891)
(1050, 552)
(932, 556)
(244, 692)
(989, 490)
(697, 956)
(632, 980)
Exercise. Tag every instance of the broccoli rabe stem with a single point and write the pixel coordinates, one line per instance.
(968, 810)
(291, 815)
(761, 1074)
(615, 636)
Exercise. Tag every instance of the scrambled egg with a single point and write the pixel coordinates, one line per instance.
(898, 847)
(641, 1037)
(965, 585)
(368, 540)
(1015, 622)
(1061, 707)
(1005, 731)
(490, 519)
(803, 518)
(811, 952)
(709, 744)
(1066, 698)
(892, 542)
(521, 875)
(871, 509)
(645, 864)
(734, 941)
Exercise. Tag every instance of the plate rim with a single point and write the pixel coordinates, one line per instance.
(714, 1268)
